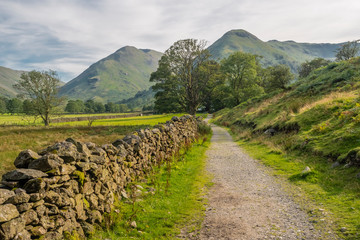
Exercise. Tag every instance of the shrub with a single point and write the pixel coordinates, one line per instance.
(204, 128)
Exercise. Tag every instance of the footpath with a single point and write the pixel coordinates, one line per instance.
(246, 202)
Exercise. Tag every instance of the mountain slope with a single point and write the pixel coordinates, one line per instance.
(8, 78)
(273, 52)
(116, 77)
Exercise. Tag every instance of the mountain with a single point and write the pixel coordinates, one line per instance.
(8, 78)
(273, 52)
(119, 76)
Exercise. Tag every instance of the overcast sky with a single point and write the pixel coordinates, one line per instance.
(69, 35)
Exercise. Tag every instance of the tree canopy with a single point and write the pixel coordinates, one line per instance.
(347, 51)
(184, 78)
(241, 72)
(308, 66)
(41, 88)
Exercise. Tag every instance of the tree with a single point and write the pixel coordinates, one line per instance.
(240, 70)
(41, 88)
(75, 106)
(3, 108)
(308, 66)
(14, 105)
(28, 107)
(279, 76)
(99, 107)
(181, 77)
(347, 50)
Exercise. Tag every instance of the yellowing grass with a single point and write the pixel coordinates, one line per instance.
(328, 99)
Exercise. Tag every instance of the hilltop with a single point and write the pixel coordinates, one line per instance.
(119, 76)
(273, 52)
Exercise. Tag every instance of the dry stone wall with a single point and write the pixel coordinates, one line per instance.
(69, 186)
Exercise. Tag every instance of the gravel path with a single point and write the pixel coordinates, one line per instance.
(245, 202)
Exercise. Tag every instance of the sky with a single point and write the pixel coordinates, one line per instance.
(69, 35)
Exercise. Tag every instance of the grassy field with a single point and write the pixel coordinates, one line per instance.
(17, 138)
(20, 119)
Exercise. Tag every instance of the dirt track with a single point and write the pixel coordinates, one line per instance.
(247, 203)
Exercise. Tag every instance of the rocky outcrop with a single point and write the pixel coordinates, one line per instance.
(70, 185)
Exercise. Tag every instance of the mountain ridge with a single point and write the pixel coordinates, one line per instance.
(116, 77)
(273, 52)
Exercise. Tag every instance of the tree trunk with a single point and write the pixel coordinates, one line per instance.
(192, 110)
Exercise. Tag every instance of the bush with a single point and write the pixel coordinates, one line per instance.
(204, 128)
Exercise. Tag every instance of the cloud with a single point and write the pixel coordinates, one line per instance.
(70, 35)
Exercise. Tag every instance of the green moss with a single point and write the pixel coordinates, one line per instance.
(71, 236)
(52, 171)
(87, 204)
(80, 176)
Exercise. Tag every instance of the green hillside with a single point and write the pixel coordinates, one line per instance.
(116, 77)
(273, 52)
(141, 99)
(315, 124)
(8, 78)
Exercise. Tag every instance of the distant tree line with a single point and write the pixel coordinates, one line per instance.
(91, 106)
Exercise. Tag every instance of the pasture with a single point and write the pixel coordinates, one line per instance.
(23, 136)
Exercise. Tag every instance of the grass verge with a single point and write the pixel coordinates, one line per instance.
(331, 195)
(171, 202)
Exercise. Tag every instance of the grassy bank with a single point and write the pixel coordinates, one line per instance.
(169, 203)
(314, 124)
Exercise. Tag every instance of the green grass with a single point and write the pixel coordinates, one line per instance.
(143, 120)
(336, 190)
(176, 205)
(19, 119)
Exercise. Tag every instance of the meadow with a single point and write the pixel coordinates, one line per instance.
(22, 136)
(21, 119)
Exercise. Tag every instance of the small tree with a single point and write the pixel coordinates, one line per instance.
(41, 88)
(14, 105)
(3, 108)
(307, 67)
(347, 51)
(278, 77)
(28, 107)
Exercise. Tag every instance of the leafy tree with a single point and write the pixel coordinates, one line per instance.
(41, 88)
(90, 106)
(3, 108)
(308, 66)
(181, 78)
(75, 106)
(99, 107)
(347, 51)
(14, 105)
(28, 107)
(278, 77)
(123, 108)
(112, 107)
(241, 72)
